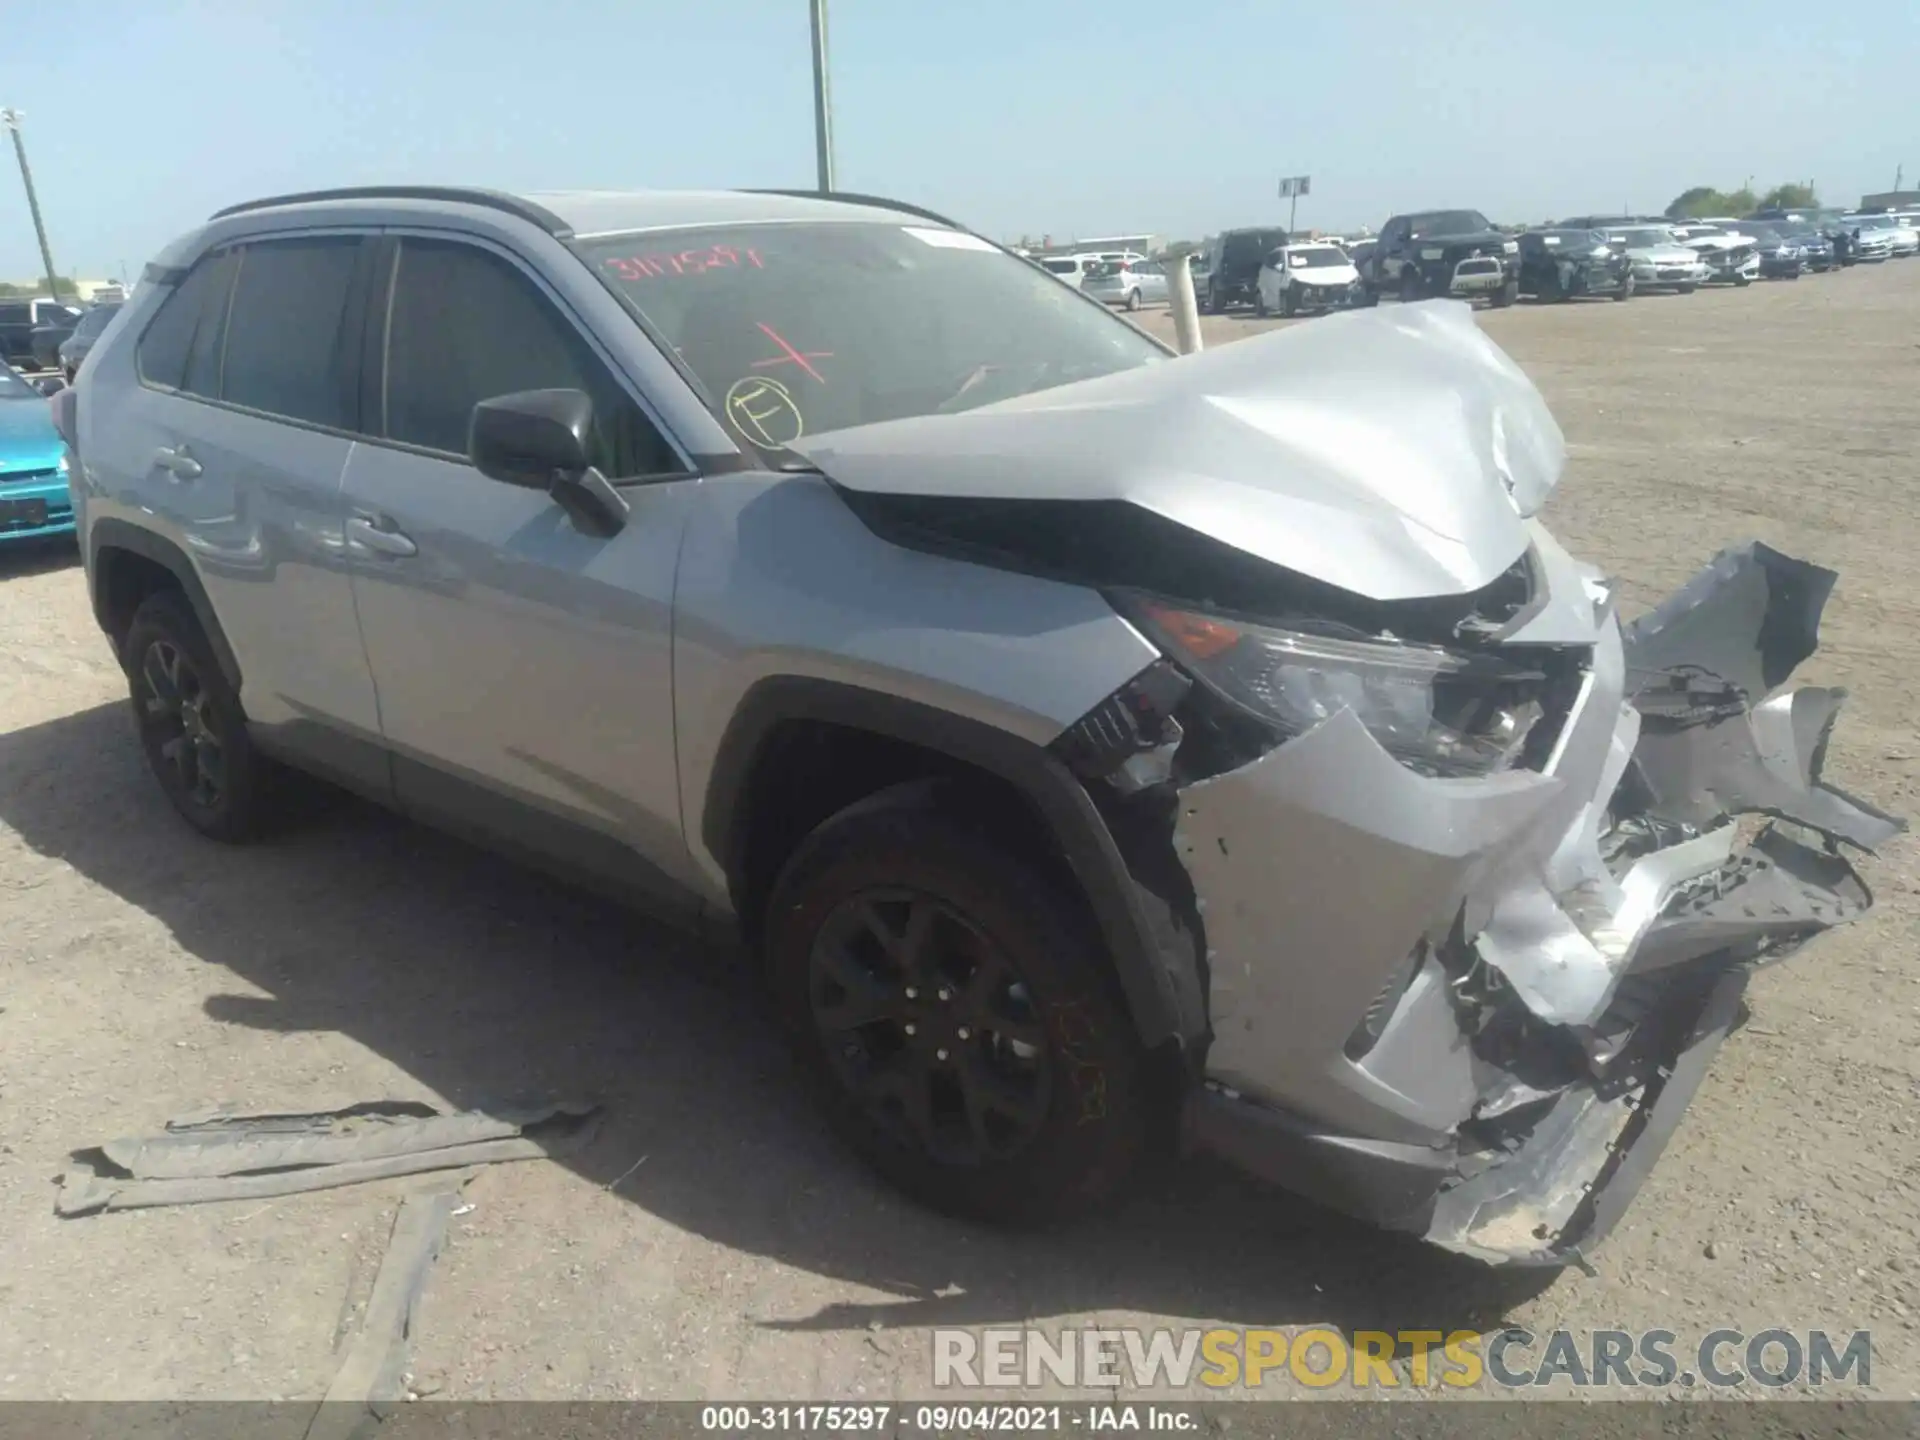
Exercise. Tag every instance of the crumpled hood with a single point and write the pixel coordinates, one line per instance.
(1391, 452)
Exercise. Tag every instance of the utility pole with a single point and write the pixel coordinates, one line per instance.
(822, 105)
(1899, 174)
(12, 118)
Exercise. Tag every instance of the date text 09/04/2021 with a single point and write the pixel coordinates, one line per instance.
(942, 1419)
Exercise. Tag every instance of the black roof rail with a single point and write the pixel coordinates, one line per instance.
(456, 194)
(877, 201)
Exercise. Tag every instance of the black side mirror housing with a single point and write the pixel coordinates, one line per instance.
(540, 439)
(530, 436)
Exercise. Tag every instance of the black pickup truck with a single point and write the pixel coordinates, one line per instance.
(1442, 252)
(19, 322)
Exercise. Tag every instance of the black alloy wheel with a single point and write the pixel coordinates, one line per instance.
(928, 1024)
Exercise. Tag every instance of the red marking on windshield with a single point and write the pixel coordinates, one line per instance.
(686, 262)
(792, 356)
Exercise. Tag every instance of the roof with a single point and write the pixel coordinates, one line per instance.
(573, 213)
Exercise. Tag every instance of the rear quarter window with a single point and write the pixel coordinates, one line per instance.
(187, 327)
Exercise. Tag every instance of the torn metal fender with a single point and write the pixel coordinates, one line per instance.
(1765, 760)
(1747, 619)
(1318, 868)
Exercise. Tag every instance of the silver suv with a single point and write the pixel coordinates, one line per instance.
(1105, 751)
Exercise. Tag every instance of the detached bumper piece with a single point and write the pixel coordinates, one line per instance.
(1475, 1009)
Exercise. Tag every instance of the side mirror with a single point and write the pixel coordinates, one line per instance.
(539, 439)
(50, 385)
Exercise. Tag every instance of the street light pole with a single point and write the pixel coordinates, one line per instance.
(822, 105)
(12, 118)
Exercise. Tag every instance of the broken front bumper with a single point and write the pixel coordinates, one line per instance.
(1475, 1008)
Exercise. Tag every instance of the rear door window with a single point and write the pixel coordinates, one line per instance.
(288, 346)
(465, 325)
(180, 349)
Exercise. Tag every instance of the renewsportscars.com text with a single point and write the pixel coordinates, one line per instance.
(1511, 1359)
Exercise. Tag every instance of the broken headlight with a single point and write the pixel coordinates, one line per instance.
(1440, 712)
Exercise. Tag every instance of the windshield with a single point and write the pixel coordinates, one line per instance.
(798, 328)
(93, 322)
(12, 387)
(1448, 222)
(1315, 257)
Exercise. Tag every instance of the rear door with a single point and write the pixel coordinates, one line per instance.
(233, 443)
(525, 668)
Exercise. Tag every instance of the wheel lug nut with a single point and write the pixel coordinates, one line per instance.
(945, 994)
(940, 1054)
(964, 1033)
(910, 1029)
(912, 994)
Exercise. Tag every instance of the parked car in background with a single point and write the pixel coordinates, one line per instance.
(55, 326)
(1816, 247)
(1359, 250)
(1095, 748)
(1561, 264)
(20, 320)
(1126, 283)
(1658, 259)
(34, 498)
(1782, 256)
(1866, 244)
(1071, 269)
(1316, 275)
(86, 330)
(1901, 238)
(1234, 258)
(1731, 259)
(1443, 252)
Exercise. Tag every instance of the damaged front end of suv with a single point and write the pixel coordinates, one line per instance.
(1474, 874)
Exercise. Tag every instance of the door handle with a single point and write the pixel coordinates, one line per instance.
(178, 461)
(375, 533)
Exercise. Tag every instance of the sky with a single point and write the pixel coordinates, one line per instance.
(1060, 118)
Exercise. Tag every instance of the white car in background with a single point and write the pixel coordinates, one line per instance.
(1068, 269)
(1128, 283)
(1314, 275)
(1659, 260)
(1901, 236)
(1730, 257)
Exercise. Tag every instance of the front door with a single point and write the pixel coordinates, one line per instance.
(524, 668)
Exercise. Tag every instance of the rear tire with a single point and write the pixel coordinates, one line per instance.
(961, 1024)
(1133, 300)
(191, 725)
(1506, 295)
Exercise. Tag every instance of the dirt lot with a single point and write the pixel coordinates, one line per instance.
(144, 973)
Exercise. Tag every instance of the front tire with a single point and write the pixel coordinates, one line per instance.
(1625, 292)
(191, 725)
(1742, 281)
(960, 1022)
(1289, 304)
(1410, 286)
(1506, 295)
(1260, 303)
(1686, 289)
(1133, 300)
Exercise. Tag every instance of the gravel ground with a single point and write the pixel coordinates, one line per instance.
(144, 973)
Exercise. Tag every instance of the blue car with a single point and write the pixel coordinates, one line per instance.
(34, 499)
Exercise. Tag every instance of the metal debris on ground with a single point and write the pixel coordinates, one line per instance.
(372, 1379)
(223, 1156)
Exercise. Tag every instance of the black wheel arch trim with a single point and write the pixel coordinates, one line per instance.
(112, 534)
(1162, 997)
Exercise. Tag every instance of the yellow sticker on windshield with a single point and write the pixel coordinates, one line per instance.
(764, 411)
